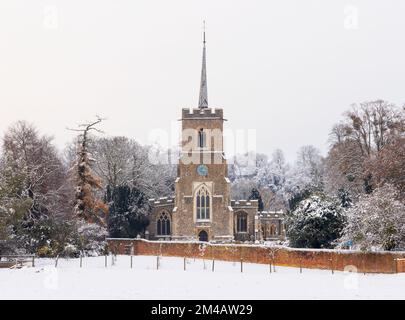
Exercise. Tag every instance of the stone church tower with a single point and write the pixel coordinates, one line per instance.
(202, 208)
(202, 198)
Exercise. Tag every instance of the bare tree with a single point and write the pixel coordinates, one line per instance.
(307, 172)
(361, 145)
(113, 159)
(122, 161)
(34, 192)
(272, 200)
(344, 169)
(371, 124)
(33, 169)
(388, 165)
(273, 249)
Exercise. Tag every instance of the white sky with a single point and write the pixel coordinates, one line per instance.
(288, 69)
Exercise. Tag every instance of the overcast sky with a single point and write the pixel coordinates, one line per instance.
(288, 69)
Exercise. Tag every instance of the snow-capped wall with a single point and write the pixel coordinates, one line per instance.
(370, 262)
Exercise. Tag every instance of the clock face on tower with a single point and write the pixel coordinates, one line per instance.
(202, 170)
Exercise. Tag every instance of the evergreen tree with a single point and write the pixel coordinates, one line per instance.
(297, 197)
(87, 207)
(316, 222)
(255, 195)
(128, 211)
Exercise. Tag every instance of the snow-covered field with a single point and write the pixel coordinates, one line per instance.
(143, 281)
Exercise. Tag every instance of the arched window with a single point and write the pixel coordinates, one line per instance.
(203, 204)
(203, 236)
(241, 222)
(273, 230)
(263, 232)
(201, 138)
(163, 224)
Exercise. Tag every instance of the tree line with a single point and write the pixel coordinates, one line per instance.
(66, 203)
(54, 203)
(353, 197)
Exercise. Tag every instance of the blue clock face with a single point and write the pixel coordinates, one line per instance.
(202, 170)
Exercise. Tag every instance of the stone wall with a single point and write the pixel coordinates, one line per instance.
(371, 262)
(220, 223)
(158, 206)
(250, 207)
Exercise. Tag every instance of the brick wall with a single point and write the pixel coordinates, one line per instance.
(400, 265)
(371, 262)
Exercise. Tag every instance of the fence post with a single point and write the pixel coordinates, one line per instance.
(300, 266)
(331, 265)
(81, 260)
(241, 265)
(33, 261)
(105, 261)
(270, 266)
(131, 261)
(213, 265)
(396, 265)
(184, 264)
(157, 263)
(56, 261)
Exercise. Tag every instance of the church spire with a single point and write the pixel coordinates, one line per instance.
(203, 100)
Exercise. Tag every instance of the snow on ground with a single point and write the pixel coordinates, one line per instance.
(143, 281)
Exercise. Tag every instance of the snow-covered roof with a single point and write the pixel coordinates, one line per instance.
(272, 212)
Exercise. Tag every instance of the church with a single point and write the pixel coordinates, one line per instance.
(202, 208)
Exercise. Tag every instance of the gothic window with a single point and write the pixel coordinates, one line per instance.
(273, 230)
(201, 138)
(203, 236)
(203, 204)
(163, 224)
(241, 222)
(267, 231)
(264, 232)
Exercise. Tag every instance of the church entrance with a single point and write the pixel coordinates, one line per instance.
(203, 236)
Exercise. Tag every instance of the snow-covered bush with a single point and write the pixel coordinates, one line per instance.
(92, 238)
(377, 221)
(70, 250)
(45, 251)
(316, 222)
